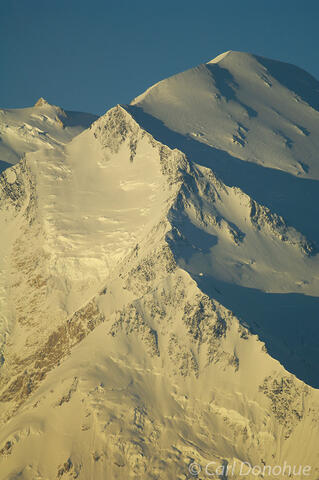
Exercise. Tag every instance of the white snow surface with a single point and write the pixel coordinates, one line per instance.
(255, 109)
(159, 281)
(29, 129)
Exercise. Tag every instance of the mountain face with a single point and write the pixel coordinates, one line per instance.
(159, 281)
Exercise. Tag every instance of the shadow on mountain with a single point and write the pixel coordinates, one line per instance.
(201, 240)
(288, 323)
(227, 85)
(305, 86)
(295, 199)
(223, 80)
(76, 119)
(4, 166)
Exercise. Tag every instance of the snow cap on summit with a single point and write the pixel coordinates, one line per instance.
(234, 56)
(220, 57)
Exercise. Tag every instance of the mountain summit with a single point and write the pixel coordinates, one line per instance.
(41, 102)
(258, 110)
(159, 283)
(24, 130)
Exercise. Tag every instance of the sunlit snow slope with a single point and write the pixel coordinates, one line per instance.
(29, 129)
(159, 284)
(255, 109)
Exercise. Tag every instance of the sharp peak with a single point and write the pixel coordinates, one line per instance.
(119, 111)
(113, 110)
(41, 102)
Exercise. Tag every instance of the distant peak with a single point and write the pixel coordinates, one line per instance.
(41, 102)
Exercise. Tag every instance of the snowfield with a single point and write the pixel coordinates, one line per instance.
(159, 280)
(29, 129)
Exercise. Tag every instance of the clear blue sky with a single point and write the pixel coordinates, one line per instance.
(90, 55)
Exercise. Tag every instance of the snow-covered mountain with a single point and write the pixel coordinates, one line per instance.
(159, 283)
(25, 130)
